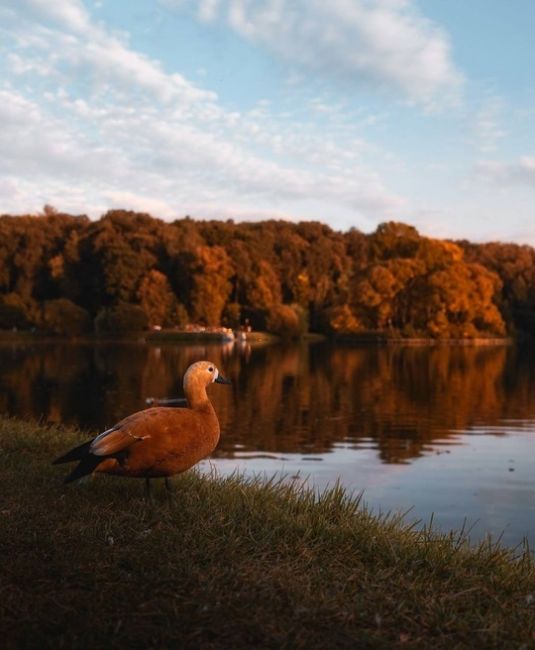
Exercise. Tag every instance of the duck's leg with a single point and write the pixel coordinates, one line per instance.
(169, 489)
(148, 495)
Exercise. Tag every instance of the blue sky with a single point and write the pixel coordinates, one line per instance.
(351, 112)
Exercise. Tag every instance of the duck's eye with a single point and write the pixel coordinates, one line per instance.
(210, 369)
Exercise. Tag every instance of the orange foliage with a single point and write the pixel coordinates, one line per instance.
(286, 320)
(393, 280)
(343, 321)
(157, 299)
(211, 284)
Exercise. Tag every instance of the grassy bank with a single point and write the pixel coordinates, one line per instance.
(228, 564)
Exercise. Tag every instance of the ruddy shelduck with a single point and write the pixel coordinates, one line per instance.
(157, 442)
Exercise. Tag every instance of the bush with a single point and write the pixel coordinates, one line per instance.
(287, 320)
(121, 319)
(341, 320)
(63, 317)
(12, 312)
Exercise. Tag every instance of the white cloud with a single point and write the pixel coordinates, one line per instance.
(75, 44)
(388, 43)
(107, 123)
(40, 145)
(505, 174)
(9, 187)
(70, 14)
(22, 66)
(208, 9)
(136, 202)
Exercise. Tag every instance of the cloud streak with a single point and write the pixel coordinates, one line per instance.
(386, 43)
(90, 119)
(507, 174)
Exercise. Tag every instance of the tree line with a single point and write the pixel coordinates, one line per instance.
(69, 275)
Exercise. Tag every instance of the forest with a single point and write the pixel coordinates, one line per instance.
(128, 271)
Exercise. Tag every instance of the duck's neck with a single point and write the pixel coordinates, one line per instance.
(198, 403)
(196, 396)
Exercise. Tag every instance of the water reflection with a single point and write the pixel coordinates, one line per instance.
(364, 415)
(402, 402)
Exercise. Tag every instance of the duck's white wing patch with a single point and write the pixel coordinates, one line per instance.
(113, 441)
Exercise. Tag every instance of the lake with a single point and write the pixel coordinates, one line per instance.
(442, 431)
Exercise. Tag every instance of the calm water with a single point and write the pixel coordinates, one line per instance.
(449, 431)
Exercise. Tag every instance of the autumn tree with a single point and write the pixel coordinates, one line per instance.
(215, 271)
(64, 318)
(288, 321)
(423, 286)
(120, 319)
(394, 239)
(342, 320)
(515, 265)
(211, 273)
(158, 300)
(13, 312)
(264, 289)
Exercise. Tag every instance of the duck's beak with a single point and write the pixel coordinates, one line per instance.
(221, 380)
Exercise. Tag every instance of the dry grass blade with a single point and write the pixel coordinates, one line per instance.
(235, 563)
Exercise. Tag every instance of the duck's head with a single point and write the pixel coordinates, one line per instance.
(202, 374)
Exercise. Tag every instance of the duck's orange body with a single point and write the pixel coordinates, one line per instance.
(159, 441)
(169, 441)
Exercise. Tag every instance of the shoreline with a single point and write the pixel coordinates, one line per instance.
(171, 336)
(227, 562)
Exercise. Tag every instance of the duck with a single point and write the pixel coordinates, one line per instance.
(156, 442)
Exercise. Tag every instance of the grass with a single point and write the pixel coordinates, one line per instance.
(234, 564)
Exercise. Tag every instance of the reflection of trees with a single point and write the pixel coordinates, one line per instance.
(94, 386)
(418, 395)
(400, 399)
(286, 399)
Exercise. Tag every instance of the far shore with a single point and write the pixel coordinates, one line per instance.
(255, 337)
(415, 342)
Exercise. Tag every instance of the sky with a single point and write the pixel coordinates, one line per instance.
(350, 112)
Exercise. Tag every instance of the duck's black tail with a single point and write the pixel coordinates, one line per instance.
(87, 464)
(74, 454)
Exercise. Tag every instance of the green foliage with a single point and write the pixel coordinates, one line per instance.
(119, 320)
